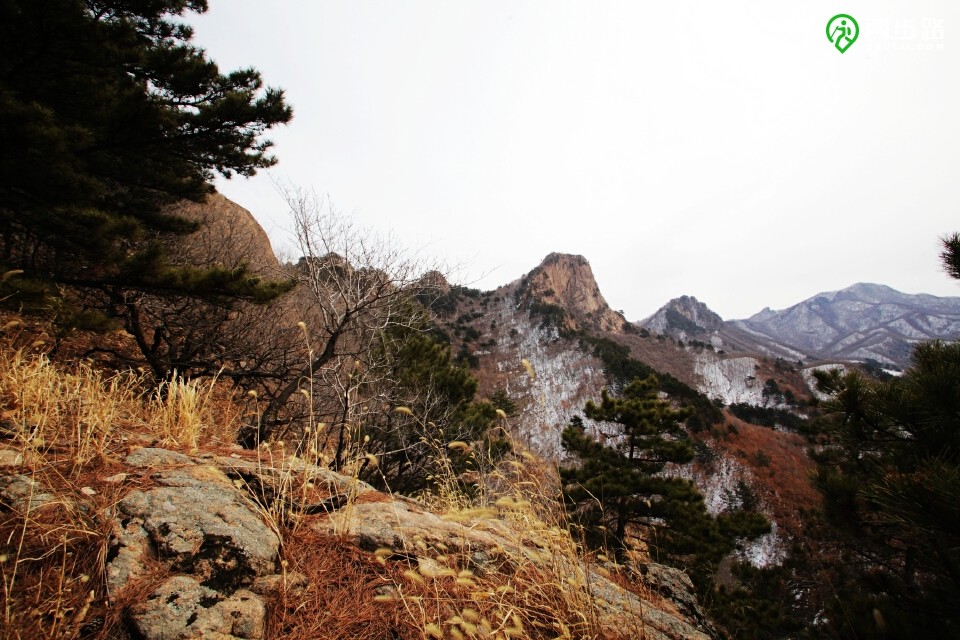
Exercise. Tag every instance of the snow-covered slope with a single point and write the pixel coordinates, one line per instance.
(861, 322)
(732, 379)
(558, 382)
(721, 482)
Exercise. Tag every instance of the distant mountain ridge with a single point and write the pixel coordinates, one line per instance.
(684, 317)
(861, 322)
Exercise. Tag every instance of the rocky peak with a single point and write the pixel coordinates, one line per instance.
(682, 318)
(567, 281)
(229, 235)
(435, 281)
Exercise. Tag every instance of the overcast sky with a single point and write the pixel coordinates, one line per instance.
(724, 150)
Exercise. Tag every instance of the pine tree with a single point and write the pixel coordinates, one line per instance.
(618, 486)
(890, 476)
(108, 115)
(421, 375)
(950, 256)
(891, 483)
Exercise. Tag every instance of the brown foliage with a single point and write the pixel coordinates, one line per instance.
(779, 462)
(338, 601)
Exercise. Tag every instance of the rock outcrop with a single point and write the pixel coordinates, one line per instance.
(192, 529)
(684, 318)
(229, 235)
(208, 536)
(567, 282)
(401, 528)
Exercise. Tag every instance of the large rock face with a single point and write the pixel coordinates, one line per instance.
(211, 539)
(567, 281)
(402, 529)
(196, 537)
(228, 236)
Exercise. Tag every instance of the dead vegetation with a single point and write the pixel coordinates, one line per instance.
(65, 428)
(779, 463)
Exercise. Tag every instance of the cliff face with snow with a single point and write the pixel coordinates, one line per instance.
(721, 482)
(551, 387)
(731, 379)
(527, 339)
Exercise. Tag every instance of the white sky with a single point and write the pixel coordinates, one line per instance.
(723, 150)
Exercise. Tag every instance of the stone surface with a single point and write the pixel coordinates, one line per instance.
(147, 457)
(415, 533)
(409, 529)
(198, 523)
(619, 610)
(10, 458)
(567, 281)
(23, 493)
(183, 608)
(200, 528)
(269, 586)
(675, 586)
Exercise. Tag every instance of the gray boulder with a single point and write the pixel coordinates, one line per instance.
(183, 608)
(206, 532)
(22, 493)
(197, 523)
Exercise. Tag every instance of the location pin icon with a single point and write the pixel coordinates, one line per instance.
(842, 31)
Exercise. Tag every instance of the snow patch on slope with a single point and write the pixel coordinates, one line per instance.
(732, 379)
(769, 550)
(563, 379)
(720, 485)
(812, 381)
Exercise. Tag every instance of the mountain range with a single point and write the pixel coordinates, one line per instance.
(862, 323)
(549, 342)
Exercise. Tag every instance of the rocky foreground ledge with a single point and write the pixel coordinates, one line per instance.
(201, 533)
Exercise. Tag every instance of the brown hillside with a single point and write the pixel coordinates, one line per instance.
(229, 236)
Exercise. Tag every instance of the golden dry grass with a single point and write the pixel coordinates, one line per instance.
(70, 426)
(65, 427)
(538, 585)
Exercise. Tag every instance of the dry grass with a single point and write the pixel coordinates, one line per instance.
(50, 569)
(340, 597)
(64, 428)
(538, 585)
(70, 426)
(182, 410)
(47, 410)
(352, 594)
(779, 462)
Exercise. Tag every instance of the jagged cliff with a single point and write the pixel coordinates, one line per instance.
(527, 340)
(567, 282)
